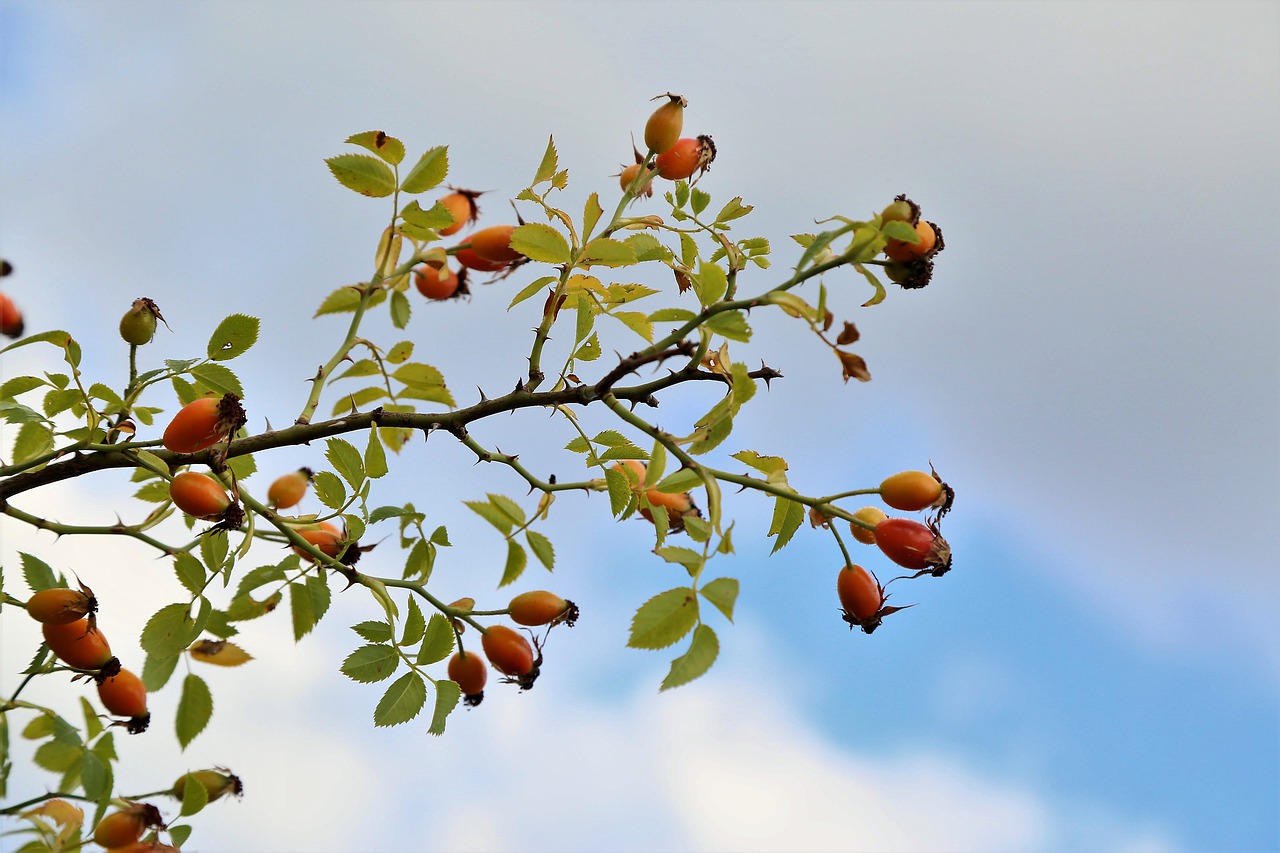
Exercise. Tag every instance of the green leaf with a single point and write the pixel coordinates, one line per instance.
(723, 593)
(215, 377)
(213, 550)
(606, 252)
(541, 547)
(880, 293)
(375, 457)
(432, 220)
(402, 701)
(364, 174)
(428, 172)
(578, 445)
(773, 467)
(679, 482)
(437, 641)
(371, 663)
(169, 631)
(374, 631)
(447, 695)
(414, 624)
(550, 163)
(329, 489)
(692, 560)
(664, 619)
(672, 315)
(341, 301)
(95, 776)
(702, 653)
(590, 349)
(38, 574)
(388, 148)
(591, 213)
(530, 289)
(19, 385)
(346, 460)
(194, 709)
(735, 209)
(787, 516)
(517, 559)
(539, 242)
(699, 200)
(190, 572)
(731, 325)
(648, 248)
(710, 283)
(401, 310)
(157, 669)
(194, 796)
(255, 578)
(16, 413)
(621, 494)
(180, 833)
(308, 602)
(233, 337)
(713, 427)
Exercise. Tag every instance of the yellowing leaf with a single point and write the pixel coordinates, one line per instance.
(219, 653)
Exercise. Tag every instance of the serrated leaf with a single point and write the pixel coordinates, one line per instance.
(735, 209)
(664, 619)
(233, 337)
(648, 248)
(428, 172)
(621, 493)
(687, 557)
(723, 593)
(194, 709)
(194, 796)
(694, 663)
(329, 489)
(578, 445)
(787, 516)
(340, 301)
(773, 467)
(402, 701)
(517, 559)
(672, 315)
(367, 175)
(375, 458)
(190, 572)
(529, 290)
(38, 574)
(437, 641)
(730, 324)
(386, 147)
(550, 163)
(308, 602)
(491, 514)
(541, 547)
(607, 252)
(346, 460)
(373, 631)
(447, 695)
(591, 213)
(169, 631)
(880, 294)
(710, 283)
(590, 349)
(414, 624)
(370, 664)
(539, 242)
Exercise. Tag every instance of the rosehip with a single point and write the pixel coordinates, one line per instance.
(540, 607)
(685, 157)
(469, 671)
(199, 495)
(287, 490)
(912, 490)
(462, 204)
(60, 606)
(203, 423)
(138, 325)
(216, 783)
(873, 515)
(11, 322)
(914, 546)
(509, 652)
(662, 130)
(79, 644)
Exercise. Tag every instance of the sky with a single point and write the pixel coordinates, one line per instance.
(1094, 369)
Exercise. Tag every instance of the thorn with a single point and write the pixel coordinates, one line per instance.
(483, 398)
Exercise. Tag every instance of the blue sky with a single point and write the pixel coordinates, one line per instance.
(1094, 369)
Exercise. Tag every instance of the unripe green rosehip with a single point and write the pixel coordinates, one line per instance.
(138, 325)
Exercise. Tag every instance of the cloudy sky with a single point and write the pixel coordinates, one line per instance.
(1095, 369)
